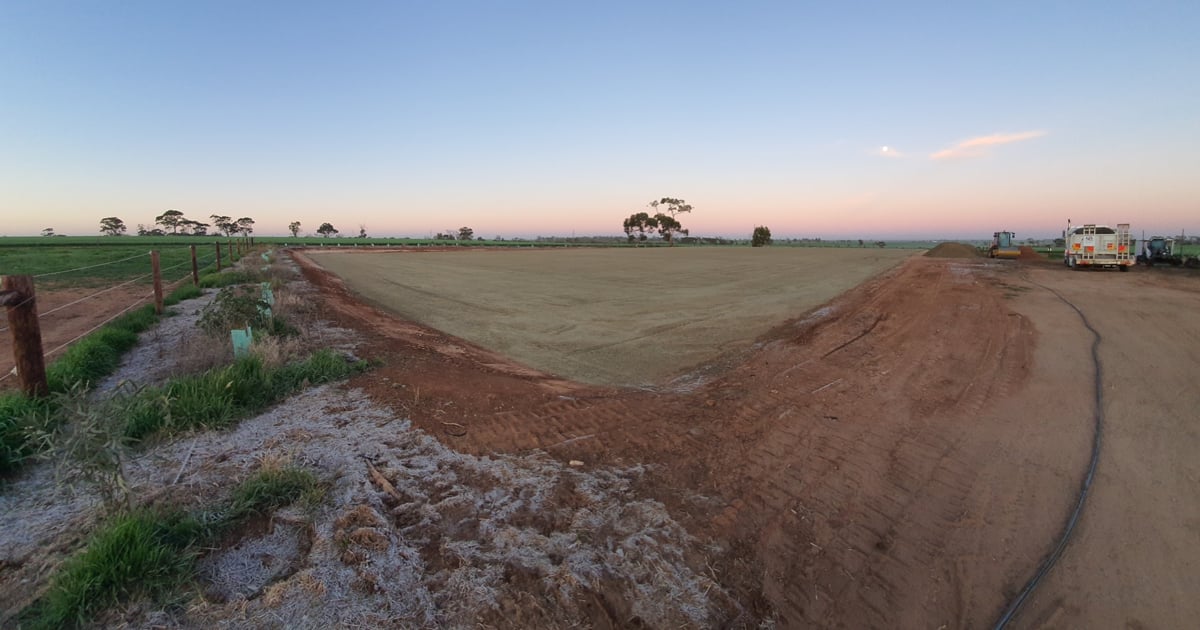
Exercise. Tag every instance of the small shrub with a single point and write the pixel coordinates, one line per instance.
(241, 306)
(18, 417)
(234, 307)
(86, 443)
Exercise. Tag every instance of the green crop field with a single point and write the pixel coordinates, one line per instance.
(98, 261)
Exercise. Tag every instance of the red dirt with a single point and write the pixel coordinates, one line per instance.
(903, 459)
(834, 464)
(1031, 255)
(952, 250)
(63, 326)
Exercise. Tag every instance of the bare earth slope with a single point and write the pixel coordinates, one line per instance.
(904, 457)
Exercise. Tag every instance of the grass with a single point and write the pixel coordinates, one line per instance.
(152, 553)
(219, 398)
(86, 361)
(19, 415)
(218, 280)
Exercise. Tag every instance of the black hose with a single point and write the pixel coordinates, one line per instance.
(1014, 606)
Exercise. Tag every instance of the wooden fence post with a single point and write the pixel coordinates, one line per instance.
(218, 248)
(18, 295)
(158, 296)
(230, 252)
(195, 268)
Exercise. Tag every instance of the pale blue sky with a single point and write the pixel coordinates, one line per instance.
(527, 118)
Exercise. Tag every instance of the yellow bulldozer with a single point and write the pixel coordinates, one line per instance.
(1003, 246)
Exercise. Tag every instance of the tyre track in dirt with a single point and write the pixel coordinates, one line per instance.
(858, 506)
(850, 472)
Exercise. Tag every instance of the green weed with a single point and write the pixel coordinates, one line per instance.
(269, 490)
(18, 417)
(84, 362)
(219, 398)
(138, 554)
(152, 553)
(228, 278)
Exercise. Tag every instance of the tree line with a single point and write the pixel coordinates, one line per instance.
(174, 223)
(641, 225)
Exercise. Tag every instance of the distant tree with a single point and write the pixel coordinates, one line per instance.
(668, 226)
(194, 228)
(112, 226)
(48, 232)
(880, 244)
(170, 220)
(465, 233)
(226, 224)
(245, 225)
(1060, 242)
(326, 230)
(860, 242)
(294, 228)
(761, 236)
(641, 223)
(672, 208)
(362, 230)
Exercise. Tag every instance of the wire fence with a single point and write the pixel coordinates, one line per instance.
(199, 264)
(85, 267)
(138, 300)
(97, 326)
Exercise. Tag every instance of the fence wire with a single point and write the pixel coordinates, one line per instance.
(88, 297)
(112, 262)
(97, 326)
(172, 284)
(199, 265)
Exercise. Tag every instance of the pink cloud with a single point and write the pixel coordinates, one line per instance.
(979, 145)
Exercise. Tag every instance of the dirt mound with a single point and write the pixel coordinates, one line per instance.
(1029, 253)
(953, 250)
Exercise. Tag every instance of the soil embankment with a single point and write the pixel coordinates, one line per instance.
(952, 250)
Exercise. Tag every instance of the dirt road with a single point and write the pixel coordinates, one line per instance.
(1135, 561)
(903, 457)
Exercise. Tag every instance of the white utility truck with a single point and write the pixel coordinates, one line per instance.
(1091, 246)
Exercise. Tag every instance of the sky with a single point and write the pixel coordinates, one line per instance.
(832, 119)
